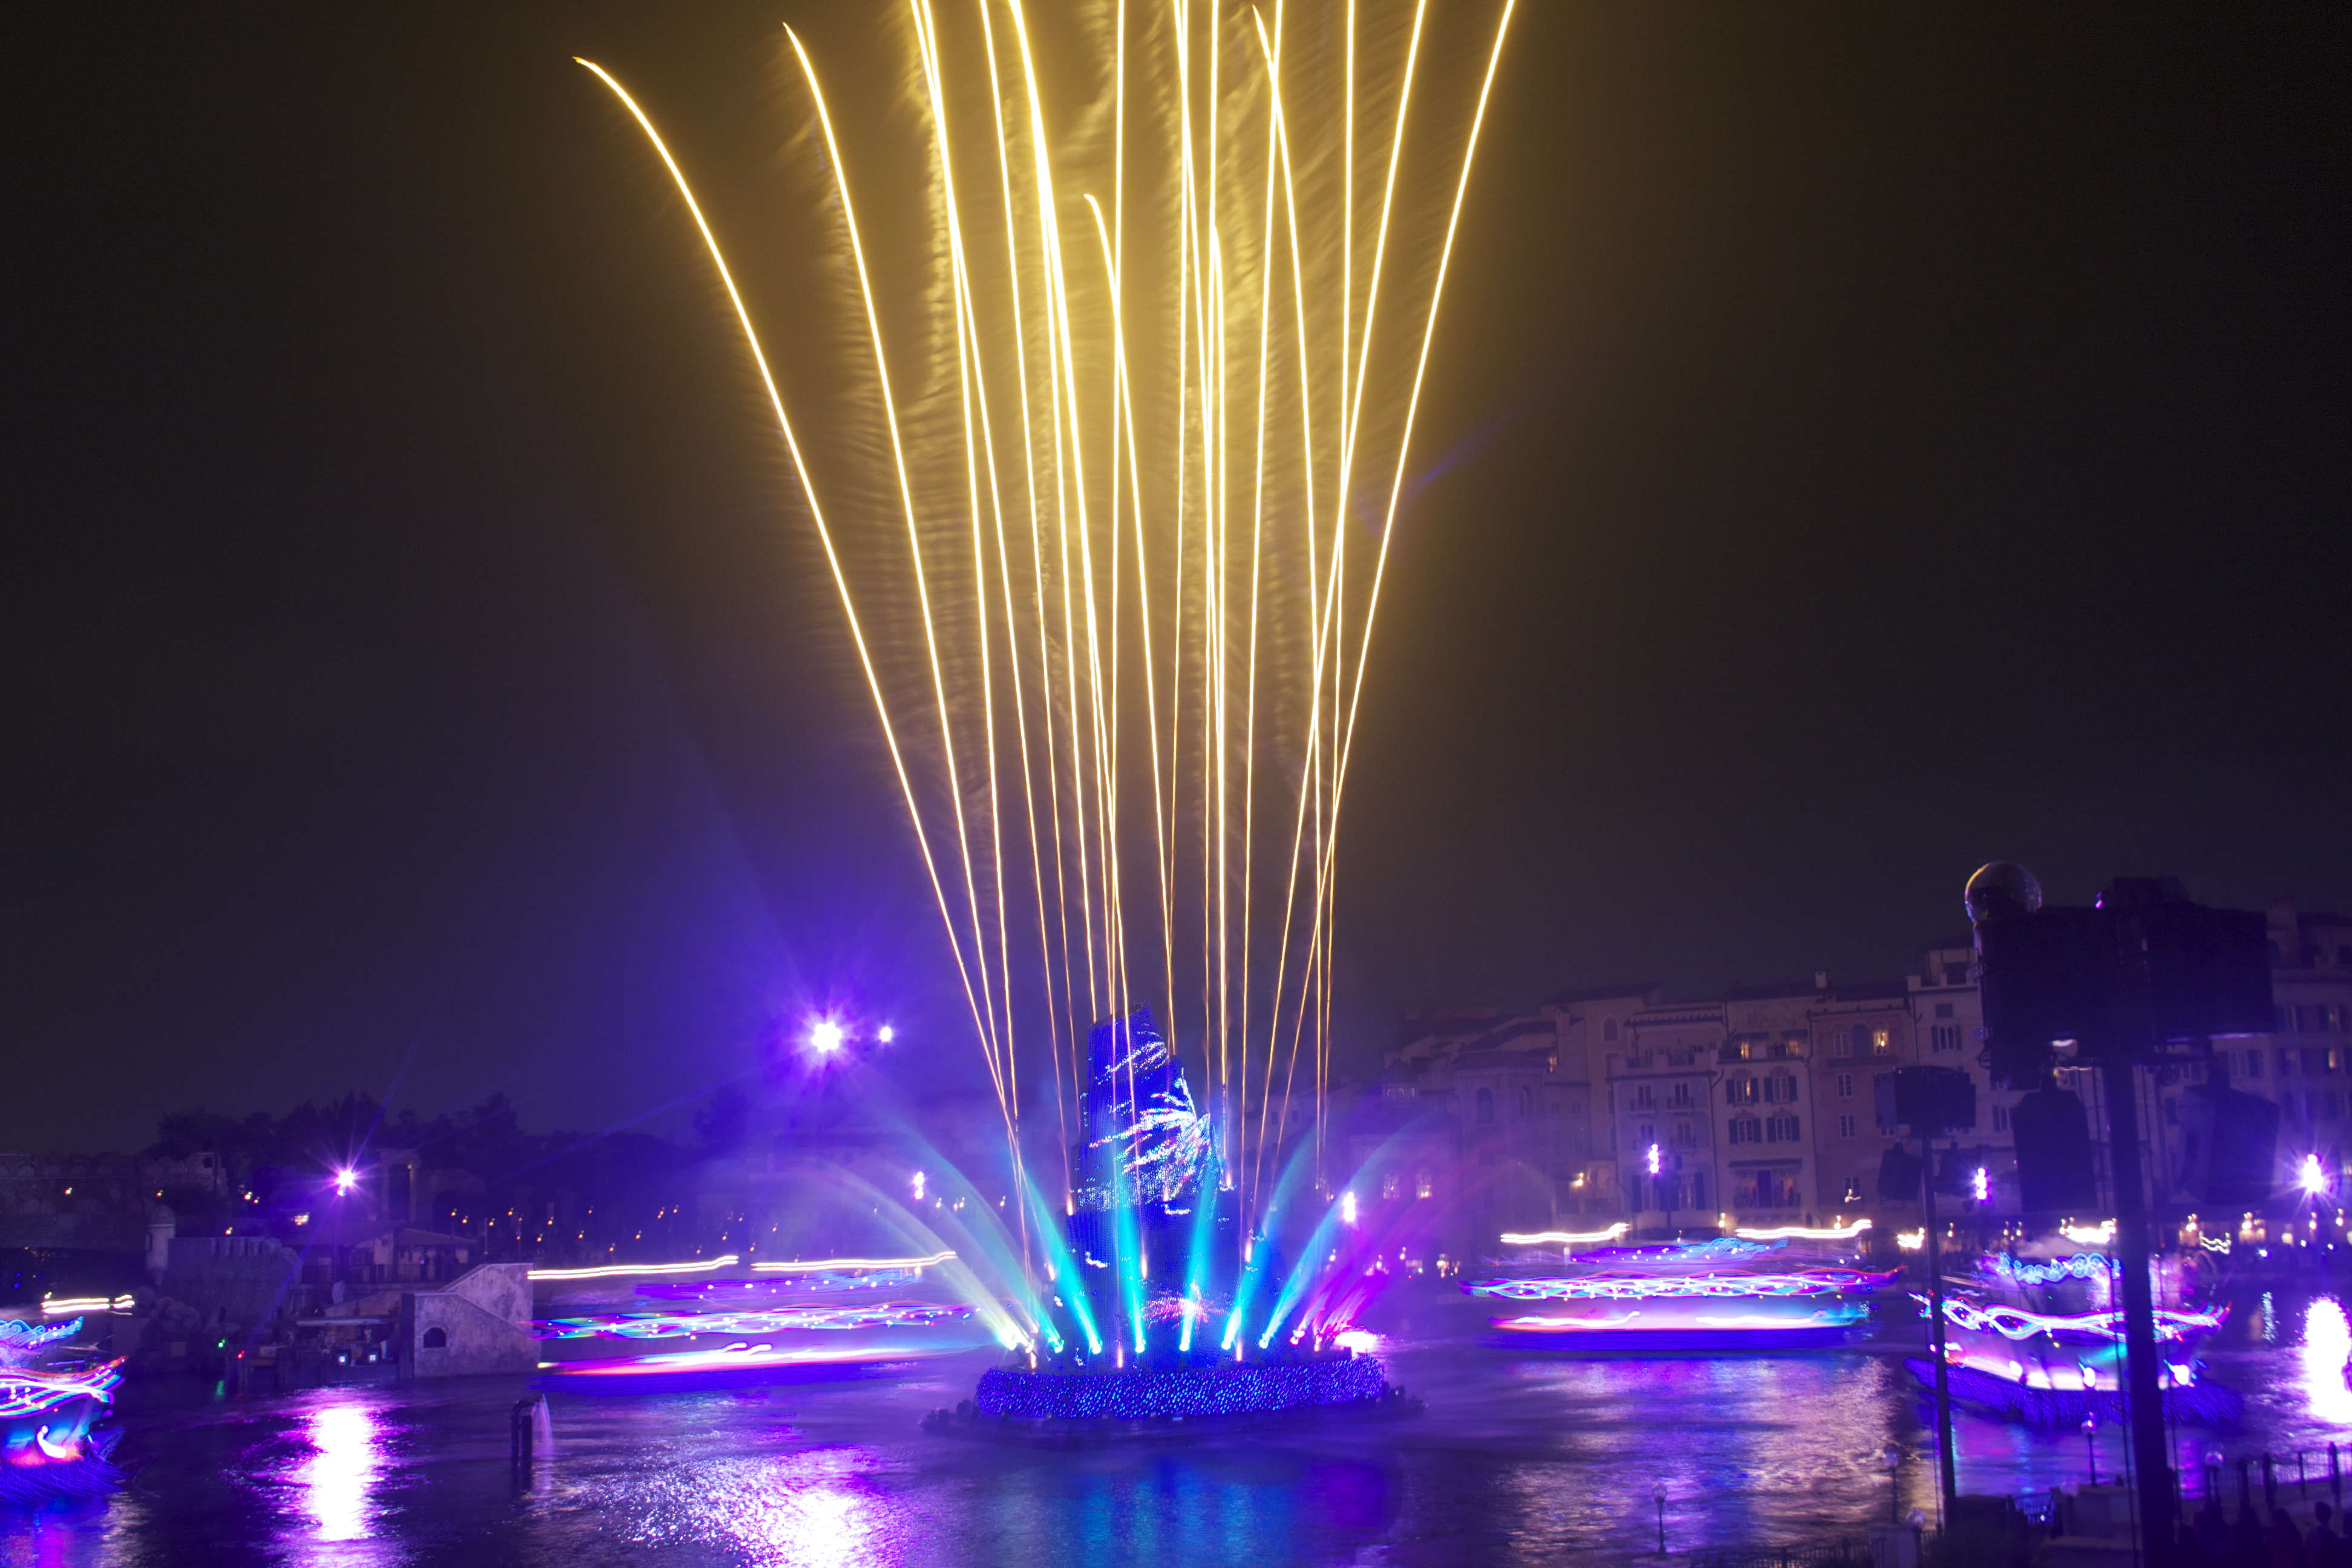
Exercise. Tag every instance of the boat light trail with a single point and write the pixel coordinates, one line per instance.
(850, 1265)
(1563, 1237)
(1608, 1287)
(27, 1392)
(637, 1271)
(1805, 1233)
(772, 1321)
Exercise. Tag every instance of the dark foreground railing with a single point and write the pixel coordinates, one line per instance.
(1843, 1556)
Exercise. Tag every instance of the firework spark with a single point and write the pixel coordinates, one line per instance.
(1119, 657)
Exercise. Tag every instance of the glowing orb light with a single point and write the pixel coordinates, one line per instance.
(2310, 1176)
(826, 1037)
(885, 1034)
(1654, 1159)
(345, 1180)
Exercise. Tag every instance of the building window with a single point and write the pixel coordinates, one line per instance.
(1944, 1037)
(1780, 1089)
(1681, 1094)
(1739, 1091)
(1780, 1130)
(1881, 1043)
(1698, 1189)
(2001, 1117)
(436, 1339)
(1778, 1050)
(1485, 1105)
(1861, 1039)
(1845, 1085)
(1943, 1009)
(1682, 1139)
(1745, 1129)
(1421, 1184)
(1526, 1104)
(1389, 1185)
(1649, 1133)
(1845, 1126)
(2254, 1063)
(1841, 1043)
(1644, 1096)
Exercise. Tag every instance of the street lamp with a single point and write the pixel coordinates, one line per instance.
(1890, 1459)
(2091, 1447)
(1659, 1493)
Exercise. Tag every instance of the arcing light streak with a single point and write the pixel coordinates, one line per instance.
(1804, 1233)
(20, 1338)
(27, 1392)
(1562, 1238)
(848, 1265)
(1092, 391)
(58, 1307)
(637, 1270)
(2015, 1323)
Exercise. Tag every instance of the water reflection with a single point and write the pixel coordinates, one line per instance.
(1521, 1460)
(2327, 1347)
(337, 1479)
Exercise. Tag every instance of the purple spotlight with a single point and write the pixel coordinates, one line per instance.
(885, 1034)
(1654, 1159)
(827, 1038)
(2311, 1176)
(345, 1180)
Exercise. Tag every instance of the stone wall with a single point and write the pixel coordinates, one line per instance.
(241, 1280)
(480, 1322)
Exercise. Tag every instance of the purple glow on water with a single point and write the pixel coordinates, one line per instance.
(339, 1480)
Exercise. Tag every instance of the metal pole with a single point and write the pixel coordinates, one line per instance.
(2144, 1400)
(1935, 1317)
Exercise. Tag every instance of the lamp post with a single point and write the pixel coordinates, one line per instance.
(1890, 1459)
(1659, 1493)
(2090, 1445)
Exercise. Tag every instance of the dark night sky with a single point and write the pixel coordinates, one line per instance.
(1863, 443)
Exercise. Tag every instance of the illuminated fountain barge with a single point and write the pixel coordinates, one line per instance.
(1163, 1331)
(48, 1446)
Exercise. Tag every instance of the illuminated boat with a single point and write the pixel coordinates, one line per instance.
(48, 1441)
(2040, 1340)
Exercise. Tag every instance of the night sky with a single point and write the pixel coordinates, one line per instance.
(1862, 444)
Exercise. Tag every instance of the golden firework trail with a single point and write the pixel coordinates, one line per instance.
(1170, 318)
